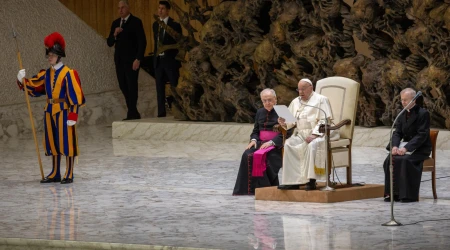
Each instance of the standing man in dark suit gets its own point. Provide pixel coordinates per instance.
(127, 33)
(166, 66)
(411, 145)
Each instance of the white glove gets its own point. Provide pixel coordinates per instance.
(71, 123)
(21, 75)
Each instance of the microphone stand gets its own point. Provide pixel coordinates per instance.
(327, 187)
(393, 222)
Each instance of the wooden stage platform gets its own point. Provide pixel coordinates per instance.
(342, 193)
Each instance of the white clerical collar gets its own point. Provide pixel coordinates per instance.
(409, 110)
(165, 20)
(58, 66)
(126, 18)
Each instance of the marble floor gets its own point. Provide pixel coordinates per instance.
(168, 195)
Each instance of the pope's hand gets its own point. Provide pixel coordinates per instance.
(310, 138)
(21, 75)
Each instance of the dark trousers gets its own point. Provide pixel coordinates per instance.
(165, 68)
(406, 176)
(246, 183)
(128, 83)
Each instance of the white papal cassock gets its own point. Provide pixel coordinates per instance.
(301, 160)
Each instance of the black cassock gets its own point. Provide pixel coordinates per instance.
(412, 127)
(245, 182)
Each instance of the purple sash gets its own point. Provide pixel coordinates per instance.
(260, 155)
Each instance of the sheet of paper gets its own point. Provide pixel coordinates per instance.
(284, 112)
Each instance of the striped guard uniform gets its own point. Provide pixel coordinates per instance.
(62, 87)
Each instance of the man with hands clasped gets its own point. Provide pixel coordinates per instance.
(411, 145)
(61, 86)
(127, 35)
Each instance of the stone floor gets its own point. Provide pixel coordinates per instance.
(164, 194)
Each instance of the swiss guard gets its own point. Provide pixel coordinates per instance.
(61, 86)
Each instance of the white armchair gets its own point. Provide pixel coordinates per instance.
(343, 94)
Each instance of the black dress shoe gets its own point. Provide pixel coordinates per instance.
(50, 180)
(407, 200)
(66, 181)
(288, 187)
(388, 198)
(311, 185)
(162, 115)
(133, 118)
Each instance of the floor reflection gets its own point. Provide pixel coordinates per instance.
(313, 233)
(264, 232)
(59, 217)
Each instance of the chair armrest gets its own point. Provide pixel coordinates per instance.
(337, 126)
(278, 128)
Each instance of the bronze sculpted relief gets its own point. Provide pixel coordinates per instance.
(248, 45)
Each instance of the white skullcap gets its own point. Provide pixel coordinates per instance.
(306, 80)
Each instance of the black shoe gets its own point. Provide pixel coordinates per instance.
(66, 181)
(133, 117)
(50, 180)
(311, 185)
(162, 115)
(407, 200)
(289, 187)
(387, 198)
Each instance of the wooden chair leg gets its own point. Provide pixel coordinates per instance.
(349, 175)
(329, 163)
(433, 183)
(349, 168)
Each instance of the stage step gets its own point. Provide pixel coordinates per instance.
(341, 193)
(168, 129)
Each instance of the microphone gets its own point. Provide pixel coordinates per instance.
(417, 96)
(324, 113)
